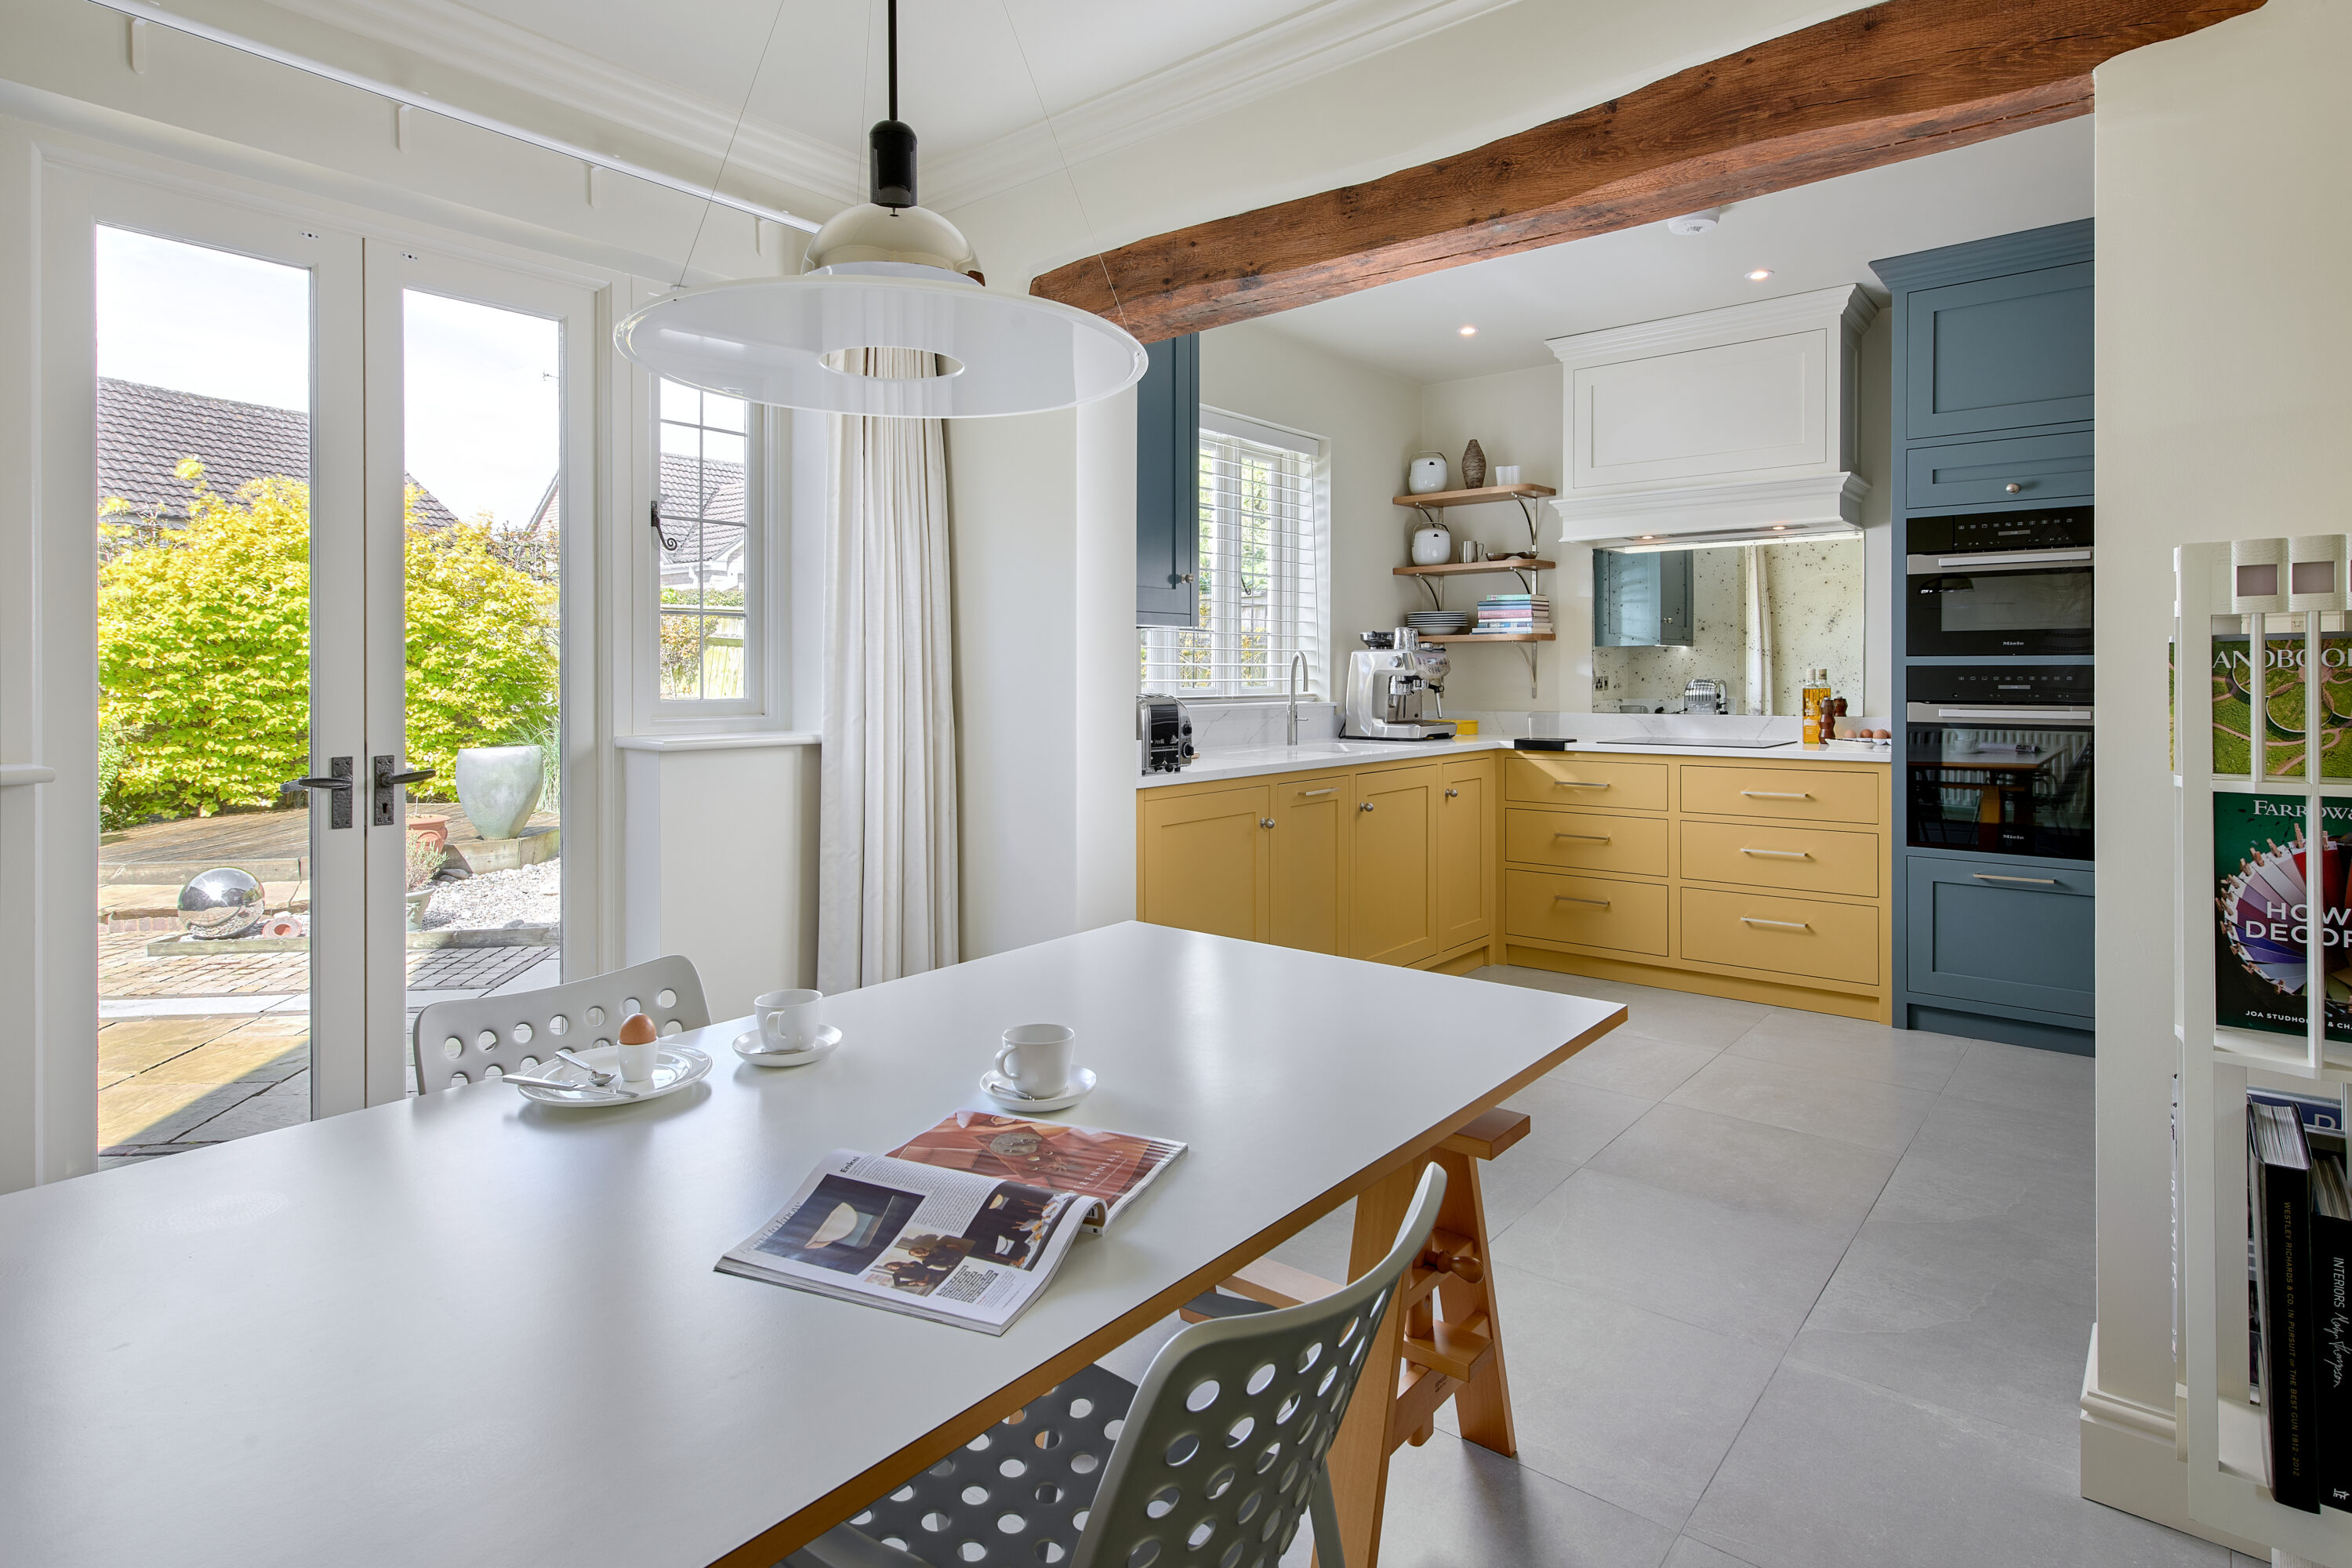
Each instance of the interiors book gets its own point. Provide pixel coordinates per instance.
(965, 1224)
(2265, 886)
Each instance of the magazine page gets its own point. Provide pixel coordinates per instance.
(946, 1244)
(1110, 1167)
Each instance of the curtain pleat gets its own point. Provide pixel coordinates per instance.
(1755, 611)
(886, 895)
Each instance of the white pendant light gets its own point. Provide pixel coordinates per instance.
(885, 274)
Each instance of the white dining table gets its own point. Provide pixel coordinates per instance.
(471, 1329)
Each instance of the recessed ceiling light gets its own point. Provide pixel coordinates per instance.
(1758, 274)
(1649, 536)
(1469, 331)
(1779, 526)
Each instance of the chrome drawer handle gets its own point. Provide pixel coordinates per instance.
(1266, 822)
(1318, 793)
(1776, 925)
(1780, 853)
(1576, 783)
(1995, 876)
(1586, 837)
(1776, 794)
(1451, 793)
(1565, 898)
(1363, 805)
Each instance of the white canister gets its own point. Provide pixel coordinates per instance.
(1432, 546)
(1426, 473)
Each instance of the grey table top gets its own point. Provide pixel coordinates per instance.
(466, 1329)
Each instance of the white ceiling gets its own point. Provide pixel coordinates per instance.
(1812, 237)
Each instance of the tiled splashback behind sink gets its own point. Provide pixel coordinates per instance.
(1226, 725)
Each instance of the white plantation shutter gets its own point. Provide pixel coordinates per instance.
(1262, 571)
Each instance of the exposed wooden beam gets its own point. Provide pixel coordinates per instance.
(1876, 86)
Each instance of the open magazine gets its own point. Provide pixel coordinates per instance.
(964, 1224)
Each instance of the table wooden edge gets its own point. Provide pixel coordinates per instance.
(772, 1545)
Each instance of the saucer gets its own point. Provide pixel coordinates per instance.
(827, 1038)
(676, 1067)
(1000, 1089)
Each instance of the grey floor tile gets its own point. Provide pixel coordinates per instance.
(1452, 1503)
(1677, 1015)
(1627, 1063)
(1629, 1405)
(1750, 1165)
(1516, 1183)
(1571, 1123)
(2020, 1076)
(1853, 1047)
(1876, 1115)
(1973, 1161)
(1829, 1473)
(1322, 1247)
(1690, 1554)
(1748, 1275)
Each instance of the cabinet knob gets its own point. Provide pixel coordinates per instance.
(1266, 822)
(1451, 793)
(1363, 805)
(2012, 487)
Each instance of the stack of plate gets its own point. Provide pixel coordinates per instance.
(1438, 623)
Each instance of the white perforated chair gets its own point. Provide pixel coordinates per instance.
(1211, 1462)
(488, 1036)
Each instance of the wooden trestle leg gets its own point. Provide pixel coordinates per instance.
(1440, 1340)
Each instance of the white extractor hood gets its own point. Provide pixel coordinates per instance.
(1727, 426)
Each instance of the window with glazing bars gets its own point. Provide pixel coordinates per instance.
(1262, 576)
(705, 552)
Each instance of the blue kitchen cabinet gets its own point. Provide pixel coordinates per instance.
(2007, 930)
(1167, 484)
(1998, 353)
(2015, 470)
(1642, 600)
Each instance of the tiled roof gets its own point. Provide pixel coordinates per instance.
(143, 432)
(712, 488)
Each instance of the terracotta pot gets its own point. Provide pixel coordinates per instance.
(435, 830)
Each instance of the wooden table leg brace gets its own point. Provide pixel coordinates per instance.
(1441, 1339)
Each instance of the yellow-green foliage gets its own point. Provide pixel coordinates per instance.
(203, 646)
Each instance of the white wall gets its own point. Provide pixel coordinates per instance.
(2222, 347)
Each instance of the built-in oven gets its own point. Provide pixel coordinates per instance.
(1999, 759)
(2000, 583)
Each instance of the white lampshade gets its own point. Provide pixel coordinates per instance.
(767, 340)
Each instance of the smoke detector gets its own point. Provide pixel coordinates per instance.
(1694, 222)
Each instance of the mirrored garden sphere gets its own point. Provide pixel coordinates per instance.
(220, 902)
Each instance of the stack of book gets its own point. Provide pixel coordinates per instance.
(2302, 1233)
(1520, 613)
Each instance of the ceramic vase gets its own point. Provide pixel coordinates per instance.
(1432, 546)
(1474, 467)
(1425, 474)
(498, 787)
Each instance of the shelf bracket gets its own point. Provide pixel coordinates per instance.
(1529, 650)
(1527, 514)
(1436, 601)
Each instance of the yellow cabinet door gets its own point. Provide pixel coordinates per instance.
(1204, 861)
(1465, 852)
(1392, 913)
(1310, 860)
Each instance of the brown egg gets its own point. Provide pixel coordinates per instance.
(637, 1030)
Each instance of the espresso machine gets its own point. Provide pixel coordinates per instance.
(1387, 680)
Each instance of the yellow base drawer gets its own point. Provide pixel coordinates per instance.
(1795, 937)
(1543, 906)
(1805, 794)
(1793, 859)
(1565, 779)
(1585, 841)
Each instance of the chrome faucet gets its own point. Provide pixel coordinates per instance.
(1298, 673)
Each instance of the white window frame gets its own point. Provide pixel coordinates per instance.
(1160, 644)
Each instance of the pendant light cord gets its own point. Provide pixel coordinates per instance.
(1043, 113)
(894, 58)
(737, 130)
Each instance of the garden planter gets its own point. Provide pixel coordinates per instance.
(434, 830)
(419, 900)
(498, 787)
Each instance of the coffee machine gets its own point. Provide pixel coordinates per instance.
(1387, 679)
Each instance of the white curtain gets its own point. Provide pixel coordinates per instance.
(887, 840)
(1755, 625)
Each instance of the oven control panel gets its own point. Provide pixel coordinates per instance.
(1988, 533)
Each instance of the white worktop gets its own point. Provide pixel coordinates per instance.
(1253, 761)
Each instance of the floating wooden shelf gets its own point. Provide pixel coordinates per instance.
(1473, 498)
(1452, 568)
(1487, 636)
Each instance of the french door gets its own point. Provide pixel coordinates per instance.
(302, 562)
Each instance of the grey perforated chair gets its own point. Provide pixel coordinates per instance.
(486, 1036)
(1211, 1462)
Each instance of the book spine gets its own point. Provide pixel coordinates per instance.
(2290, 1389)
(2331, 1250)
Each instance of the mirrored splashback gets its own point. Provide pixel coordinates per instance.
(1755, 617)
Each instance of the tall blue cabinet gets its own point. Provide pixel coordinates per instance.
(1992, 408)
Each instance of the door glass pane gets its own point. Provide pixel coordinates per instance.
(484, 547)
(203, 671)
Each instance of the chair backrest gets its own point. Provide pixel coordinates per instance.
(461, 1042)
(1221, 1452)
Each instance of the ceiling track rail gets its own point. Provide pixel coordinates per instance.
(144, 11)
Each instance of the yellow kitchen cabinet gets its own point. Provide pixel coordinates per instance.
(1204, 861)
(1585, 841)
(1310, 837)
(1393, 907)
(1465, 852)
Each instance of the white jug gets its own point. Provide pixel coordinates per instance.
(1427, 473)
(1432, 546)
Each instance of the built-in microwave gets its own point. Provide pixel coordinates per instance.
(2000, 584)
(1998, 760)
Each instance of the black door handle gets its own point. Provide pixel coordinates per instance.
(318, 784)
(337, 779)
(386, 781)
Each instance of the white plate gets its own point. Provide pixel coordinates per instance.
(1000, 1089)
(677, 1067)
(827, 1038)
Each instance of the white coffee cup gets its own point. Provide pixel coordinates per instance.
(788, 1019)
(1036, 1058)
(1505, 474)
